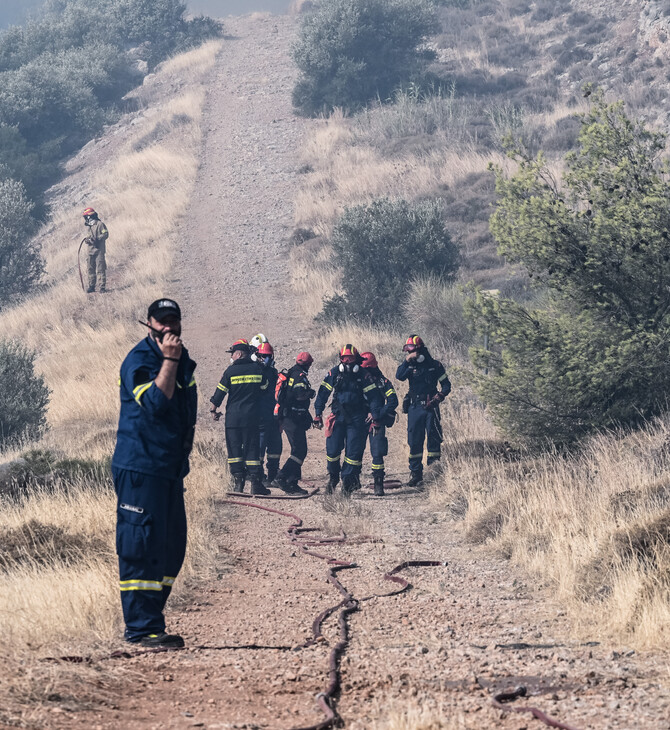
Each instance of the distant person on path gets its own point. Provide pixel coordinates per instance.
(422, 404)
(379, 445)
(244, 382)
(95, 254)
(355, 397)
(293, 395)
(270, 433)
(154, 440)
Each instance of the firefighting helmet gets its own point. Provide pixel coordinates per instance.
(414, 343)
(258, 340)
(305, 360)
(241, 344)
(369, 360)
(265, 352)
(349, 359)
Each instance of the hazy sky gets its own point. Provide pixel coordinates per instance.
(13, 11)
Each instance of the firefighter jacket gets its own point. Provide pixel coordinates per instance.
(244, 382)
(155, 433)
(268, 396)
(354, 395)
(97, 235)
(387, 415)
(295, 396)
(424, 377)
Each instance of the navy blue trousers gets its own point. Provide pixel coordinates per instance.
(151, 544)
(243, 446)
(350, 437)
(423, 423)
(296, 434)
(271, 446)
(379, 448)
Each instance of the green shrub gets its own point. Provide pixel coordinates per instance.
(352, 51)
(593, 354)
(381, 248)
(21, 266)
(24, 396)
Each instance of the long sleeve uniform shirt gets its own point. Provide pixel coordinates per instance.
(424, 377)
(244, 382)
(155, 433)
(354, 395)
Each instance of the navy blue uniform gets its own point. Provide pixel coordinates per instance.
(270, 441)
(355, 395)
(244, 383)
(154, 440)
(295, 419)
(424, 378)
(379, 445)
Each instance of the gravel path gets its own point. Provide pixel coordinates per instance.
(463, 632)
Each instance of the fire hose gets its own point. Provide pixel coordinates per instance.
(81, 276)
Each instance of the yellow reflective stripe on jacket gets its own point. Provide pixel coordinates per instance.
(235, 461)
(168, 580)
(241, 379)
(192, 383)
(222, 387)
(370, 387)
(119, 383)
(140, 585)
(253, 462)
(327, 385)
(442, 377)
(389, 392)
(140, 390)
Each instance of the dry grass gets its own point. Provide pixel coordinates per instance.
(59, 593)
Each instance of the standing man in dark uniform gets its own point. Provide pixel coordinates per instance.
(96, 246)
(270, 441)
(244, 382)
(293, 395)
(379, 444)
(355, 397)
(422, 404)
(154, 440)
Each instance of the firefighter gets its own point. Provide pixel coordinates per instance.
(422, 404)
(355, 397)
(293, 395)
(270, 441)
(244, 382)
(154, 440)
(379, 445)
(95, 255)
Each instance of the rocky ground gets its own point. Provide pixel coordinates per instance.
(461, 633)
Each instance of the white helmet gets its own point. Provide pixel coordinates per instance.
(258, 340)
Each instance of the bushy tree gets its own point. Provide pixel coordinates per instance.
(24, 396)
(595, 353)
(20, 263)
(381, 248)
(352, 51)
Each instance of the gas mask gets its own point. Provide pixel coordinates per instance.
(420, 358)
(348, 367)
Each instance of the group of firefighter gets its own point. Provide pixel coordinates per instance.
(263, 402)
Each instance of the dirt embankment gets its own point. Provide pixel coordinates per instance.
(435, 653)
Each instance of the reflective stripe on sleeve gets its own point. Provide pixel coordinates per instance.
(140, 585)
(140, 390)
(192, 383)
(327, 385)
(168, 580)
(389, 392)
(442, 377)
(235, 461)
(369, 388)
(222, 387)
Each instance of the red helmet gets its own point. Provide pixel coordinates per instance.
(265, 349)
(241, 344)
(414, 343)
(369, 360)
(89, 211)
(349, 354)
(305, 360)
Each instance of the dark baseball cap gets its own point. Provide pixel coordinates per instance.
(162, 308)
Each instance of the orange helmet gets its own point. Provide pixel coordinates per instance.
(305, 360)
(241, 344)
(265, 349)
(349, 354)
(369, 360)
(414, 343)
(89, 211)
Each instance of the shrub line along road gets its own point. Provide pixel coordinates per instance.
(462, 632)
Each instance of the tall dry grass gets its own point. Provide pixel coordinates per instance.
(48, 605)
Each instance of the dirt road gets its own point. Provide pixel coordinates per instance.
(462, 632)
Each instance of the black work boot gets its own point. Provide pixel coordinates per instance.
(238, 483)
(278, 482)
(257, 487)
(160, 640)
(333, 481)
(379, 484)
(415, 479)
(348, 486)
(294, 489)
(272, 475)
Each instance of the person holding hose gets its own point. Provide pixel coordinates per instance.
(151, 459)
(96, 265)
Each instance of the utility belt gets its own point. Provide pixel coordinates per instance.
(413, 399)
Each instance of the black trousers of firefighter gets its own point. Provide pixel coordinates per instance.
(296, 433)
(422, 423)
(243, 445)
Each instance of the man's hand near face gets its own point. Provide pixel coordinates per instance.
(170, 345)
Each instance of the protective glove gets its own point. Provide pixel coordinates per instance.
(317, 422)
(216, 414)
